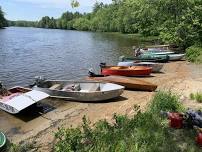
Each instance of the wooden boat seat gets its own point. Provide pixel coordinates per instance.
(55, 86)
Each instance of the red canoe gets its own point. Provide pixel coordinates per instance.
(126, 70)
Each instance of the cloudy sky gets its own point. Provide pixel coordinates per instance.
(35, 9)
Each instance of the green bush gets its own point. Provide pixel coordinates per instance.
(194, 54)
(197, 96)
(165, 101)
(192, 96)
(144, 132)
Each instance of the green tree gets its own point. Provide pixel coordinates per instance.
(177, 22)
(3, 21)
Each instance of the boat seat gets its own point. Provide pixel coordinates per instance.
(90, 88)
(94, 88)
(71, 87)
(55, 86)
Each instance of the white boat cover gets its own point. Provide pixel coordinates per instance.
(22, 101)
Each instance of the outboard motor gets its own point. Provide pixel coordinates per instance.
(39, 80)
(122, 58)
(91, 73)
(137, 52)
(134, 48)
(102, 64)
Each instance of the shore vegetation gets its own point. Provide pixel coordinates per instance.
(194, 54)
(146, 131)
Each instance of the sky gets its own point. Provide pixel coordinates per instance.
(33, 10)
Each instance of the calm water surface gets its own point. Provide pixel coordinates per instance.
(55, 54)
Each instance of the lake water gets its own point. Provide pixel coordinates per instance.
(56, 54)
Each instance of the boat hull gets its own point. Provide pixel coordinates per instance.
(172, 57)
(176, 57)
(156, 67)
(126, 71)
(157, 58)
(128, 83)
(108, 91)
(20, 99)
(158, 52)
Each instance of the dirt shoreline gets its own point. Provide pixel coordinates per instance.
(180, 77)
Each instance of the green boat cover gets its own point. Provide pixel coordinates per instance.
(2, 139)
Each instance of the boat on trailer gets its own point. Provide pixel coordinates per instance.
(89, 91)
(19, 98)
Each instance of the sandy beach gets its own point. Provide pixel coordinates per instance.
(180, 77)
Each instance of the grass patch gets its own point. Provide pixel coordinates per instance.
(22, 147)
(197, 96)
(144, 132)
(194, 54)
(192, 97)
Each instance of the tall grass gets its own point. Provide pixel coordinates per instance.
(197, 96)
(144, 132)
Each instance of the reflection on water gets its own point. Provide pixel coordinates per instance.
(55, 54)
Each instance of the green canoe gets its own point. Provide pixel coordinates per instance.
(2, 139)
(147, 58)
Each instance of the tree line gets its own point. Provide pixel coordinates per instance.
(64, 22)
(174, 21)
(3, 21)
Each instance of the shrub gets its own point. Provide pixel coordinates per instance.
(145, 132)
(194, 54)
(198, 97)
(165, 101)
(192, 97)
